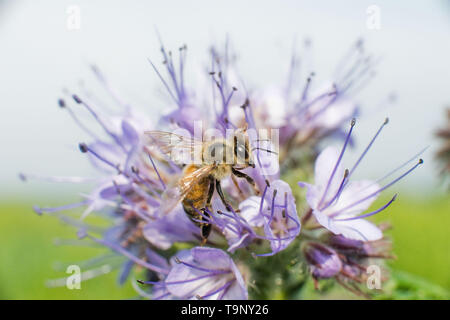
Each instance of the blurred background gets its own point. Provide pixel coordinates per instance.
(42, 53)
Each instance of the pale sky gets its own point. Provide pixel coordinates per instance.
(39, 57)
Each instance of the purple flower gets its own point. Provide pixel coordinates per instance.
(337, 202)
(205, 273)
(359, 249)
(136, 178)
(324, 262)
(276, 211)
(168, 229)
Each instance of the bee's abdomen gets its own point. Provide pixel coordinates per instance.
(196, 200)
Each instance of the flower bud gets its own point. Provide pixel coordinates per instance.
(324, 261)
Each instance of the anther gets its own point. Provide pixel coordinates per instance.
(140, 281)
(61, 103)
(246, 104)
(353, 122)
(134, 170)
(83, 147)
(77, 99)
(420, 161)
(177, 260)
(386, 121)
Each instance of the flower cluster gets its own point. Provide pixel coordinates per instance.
(266, 225)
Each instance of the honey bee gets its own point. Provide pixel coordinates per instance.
(218, 159)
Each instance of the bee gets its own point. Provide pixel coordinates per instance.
(217, 159)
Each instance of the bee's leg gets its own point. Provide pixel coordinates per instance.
(222, 197)
(236, 184)
(210, 193)
(246, 177)
(206, 227)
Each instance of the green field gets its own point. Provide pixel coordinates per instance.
(28, 254)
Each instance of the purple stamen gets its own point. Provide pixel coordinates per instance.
(248, 114)
(307, 85)
(379, 190)
(102, 124)
(39, 210)
(183, 51)
(356, 49)
(171, 71)
(24, 177)
(402, 165)
(335, 95)
(63, 105)
(386, 121)
(158, 283)
(339, 191)
(161, 296)
(211, 271)
(369, 65)
(141, 213)
(129, 255)
(156, 170)
(224, 287)
(317, 99)
(165, 84)
(370, 213)
(84, 148)
(101, 78)
(272, 209)
(338, 162)
(262, 199)
(144, 182)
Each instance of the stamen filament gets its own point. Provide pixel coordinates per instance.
(338, 162)
(370, 213)
(379, 190)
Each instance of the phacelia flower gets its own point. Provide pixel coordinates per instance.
(203, 273)
(261, 221)
(337, 202)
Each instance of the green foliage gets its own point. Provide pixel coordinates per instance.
(406, 286)
(28, 256)
(421, 238)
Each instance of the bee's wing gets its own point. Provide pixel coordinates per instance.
(177, 147)
(175, 194)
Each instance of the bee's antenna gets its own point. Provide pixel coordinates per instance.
(262, 149)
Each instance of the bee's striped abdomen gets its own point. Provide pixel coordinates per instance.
(196, 198)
